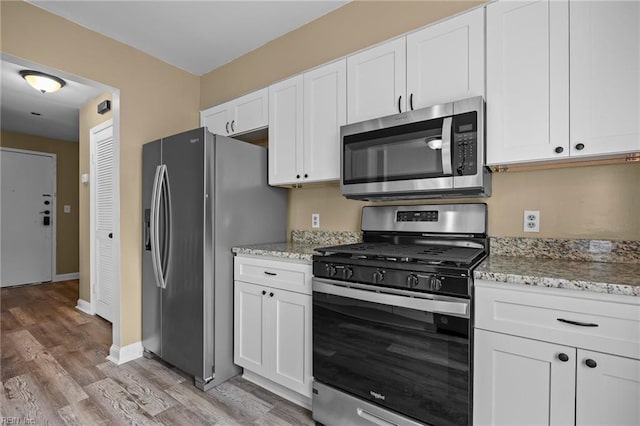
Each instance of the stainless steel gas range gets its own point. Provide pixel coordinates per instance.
(392, 318)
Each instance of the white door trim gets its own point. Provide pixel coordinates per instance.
(54, 197)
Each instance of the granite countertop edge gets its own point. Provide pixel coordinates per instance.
(283, 250)
(595, 277)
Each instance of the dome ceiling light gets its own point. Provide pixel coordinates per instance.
(42, 82)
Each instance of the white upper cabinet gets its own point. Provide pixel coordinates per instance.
(285, 131)
(445, 62)
(527, 81)
(604, 77)
(563, 79)
(241, 115)
(306, 113)
(325, 110)
(376, 81)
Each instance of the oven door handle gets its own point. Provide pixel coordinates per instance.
(423, 302)
(447, 167)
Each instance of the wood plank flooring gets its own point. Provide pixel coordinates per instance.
(53, 371)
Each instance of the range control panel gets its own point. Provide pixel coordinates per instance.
(417, 216)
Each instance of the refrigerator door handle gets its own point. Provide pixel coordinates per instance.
(155, 226)
(166, 208)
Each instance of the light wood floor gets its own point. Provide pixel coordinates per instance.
(53, 371)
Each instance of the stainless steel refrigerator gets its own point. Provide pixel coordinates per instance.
(202, 194)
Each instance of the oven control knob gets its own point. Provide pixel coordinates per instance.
(412, 280)
(331, 270)
(435, 284)
(378, 276)
(348, 272)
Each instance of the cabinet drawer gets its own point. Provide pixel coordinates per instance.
(273, 273)
(600, 322)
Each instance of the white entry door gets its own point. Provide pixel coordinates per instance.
(102, 198)
(28, 216)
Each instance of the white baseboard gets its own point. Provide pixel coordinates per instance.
(119, 355)
(66, 277)
(85, 307)
(278, 389)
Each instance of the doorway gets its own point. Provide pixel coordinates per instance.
(28, 204)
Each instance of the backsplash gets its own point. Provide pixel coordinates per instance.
(551, 248)
(326, 238)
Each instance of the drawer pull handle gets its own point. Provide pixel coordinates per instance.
(273, 274)
(581, 324)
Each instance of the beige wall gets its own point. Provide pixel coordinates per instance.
(66, 192)
(352, 27)
(580, 202)
(156, 99)
(89, 118)
(600, 202)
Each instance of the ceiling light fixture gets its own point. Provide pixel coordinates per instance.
(42, 82)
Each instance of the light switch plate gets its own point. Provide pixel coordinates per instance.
(67, 208)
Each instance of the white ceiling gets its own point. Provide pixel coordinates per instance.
(58, 111)
(196, 36)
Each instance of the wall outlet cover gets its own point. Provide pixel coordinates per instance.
(315, 220)
(531, 221)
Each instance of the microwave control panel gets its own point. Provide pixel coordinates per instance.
(465, 144)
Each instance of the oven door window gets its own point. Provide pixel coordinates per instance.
(407, 152)
(412, 362)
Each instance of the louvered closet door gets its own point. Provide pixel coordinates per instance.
(103, 222)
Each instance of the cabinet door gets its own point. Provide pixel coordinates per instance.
(527, 81)
(376, 81)
(445, 62)
(290, 325)
(249, 327)
(605, 77)
(250, 112)
(607, 390)
(325, 110)
(285, 132)
(520, 381)
(217, 119)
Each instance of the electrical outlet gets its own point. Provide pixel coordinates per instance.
(531, 221)
(67, 208)
(315, 220)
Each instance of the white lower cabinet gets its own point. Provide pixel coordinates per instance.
(519, 379)
(272, 325)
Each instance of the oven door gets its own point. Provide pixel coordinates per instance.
(403, 153)
(407, 354)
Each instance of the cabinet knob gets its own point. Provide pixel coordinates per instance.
(559, 150)
(306, 175)
(264, 292)
(563, 357)
(270, 294)
(297, 176)
(580, 146)
(591, 363)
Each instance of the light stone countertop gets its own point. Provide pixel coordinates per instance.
(286, 250)
(597, 277)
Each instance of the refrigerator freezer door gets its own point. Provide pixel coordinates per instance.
(183, 296)
(151, 294)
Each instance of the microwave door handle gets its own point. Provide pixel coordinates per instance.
(446, 146)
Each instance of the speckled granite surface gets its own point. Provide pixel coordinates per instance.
(302, 245)
(597, 277)
(583, 250)
(598, 266)
(325, 238)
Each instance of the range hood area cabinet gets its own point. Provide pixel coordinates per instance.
(563, 80)
(441, 63)
(241, 115)
(305, 115)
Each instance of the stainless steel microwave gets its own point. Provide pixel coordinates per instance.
(434, 152)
